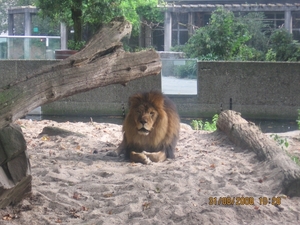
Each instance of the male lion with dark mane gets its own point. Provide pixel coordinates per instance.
(151, 128)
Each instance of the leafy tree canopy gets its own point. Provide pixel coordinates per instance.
(76, 13)
(243, 37)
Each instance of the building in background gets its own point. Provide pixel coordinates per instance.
(182, 17)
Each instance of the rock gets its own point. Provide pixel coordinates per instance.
(53, 131)
(15, 173)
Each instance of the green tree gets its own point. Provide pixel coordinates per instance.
(283, 46)
(221, 38)
(77, 13)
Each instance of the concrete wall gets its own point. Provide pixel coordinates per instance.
(257, 89)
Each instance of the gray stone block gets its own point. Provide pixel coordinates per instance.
(5, 182)
(2, 155)
(12, 141)
(19, 167)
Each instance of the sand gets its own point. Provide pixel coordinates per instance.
(75, 182)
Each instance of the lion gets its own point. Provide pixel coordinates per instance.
(151, 128)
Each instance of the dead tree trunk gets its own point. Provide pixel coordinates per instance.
(245, 134)
(102, 62)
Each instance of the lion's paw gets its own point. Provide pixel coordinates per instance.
(147, 161)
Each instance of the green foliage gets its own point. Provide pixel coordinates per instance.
(200, 125)
(280, 141)
(255, 25)
(93, 13)
(243, 38)
(282, 43)
(75, 45)
(222, 37)
(246, 53)
(283, 143)
(271, 55)
(178, 48)
(189, 70)
(208, 57)
(298, 121)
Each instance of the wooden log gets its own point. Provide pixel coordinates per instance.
(102, 62)
(247, 135)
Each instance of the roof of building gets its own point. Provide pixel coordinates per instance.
(193, 7)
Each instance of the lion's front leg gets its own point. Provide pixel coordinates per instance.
(139, 157)
(156, 156)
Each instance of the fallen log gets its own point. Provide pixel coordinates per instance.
(247, 135)
(102, 62)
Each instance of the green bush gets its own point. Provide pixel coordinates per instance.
(271, 55)
(222, 37)
(200, 125)
(282, 43)
(242, 38)
(298, 121)
(189, 70)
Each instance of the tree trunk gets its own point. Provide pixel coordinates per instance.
(102, 62)
(246, 135)
(76, 14)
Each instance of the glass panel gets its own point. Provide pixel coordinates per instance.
(279, 15)
(33, 47)
(179, 76)
(158, 40)
(183, 21)
(183, 37)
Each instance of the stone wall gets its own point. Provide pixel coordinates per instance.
(257, 89)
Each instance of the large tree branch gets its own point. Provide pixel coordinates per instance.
(102, 62)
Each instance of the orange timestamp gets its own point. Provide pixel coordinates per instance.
(243, 201)
(231, 201)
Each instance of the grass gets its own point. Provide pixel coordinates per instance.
(208, 126)
(283, 143)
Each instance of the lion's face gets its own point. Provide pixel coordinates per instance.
(145, 117)
(151, 124)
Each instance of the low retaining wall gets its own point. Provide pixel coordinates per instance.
(257, 89)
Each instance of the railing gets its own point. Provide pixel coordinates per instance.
(28, 47)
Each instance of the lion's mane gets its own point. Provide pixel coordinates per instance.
(158, 114)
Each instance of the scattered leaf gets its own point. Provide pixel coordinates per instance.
(108, 195)
(146, 205)
(84, 208)
(212, 166)
(45, 138)
(157, 190)
(74, 214)
(8, 217)
(77, 195)
(58, 220)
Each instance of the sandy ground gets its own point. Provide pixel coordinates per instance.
(75, 182)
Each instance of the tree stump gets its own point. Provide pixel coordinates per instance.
(15, 175)
(247, 135)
